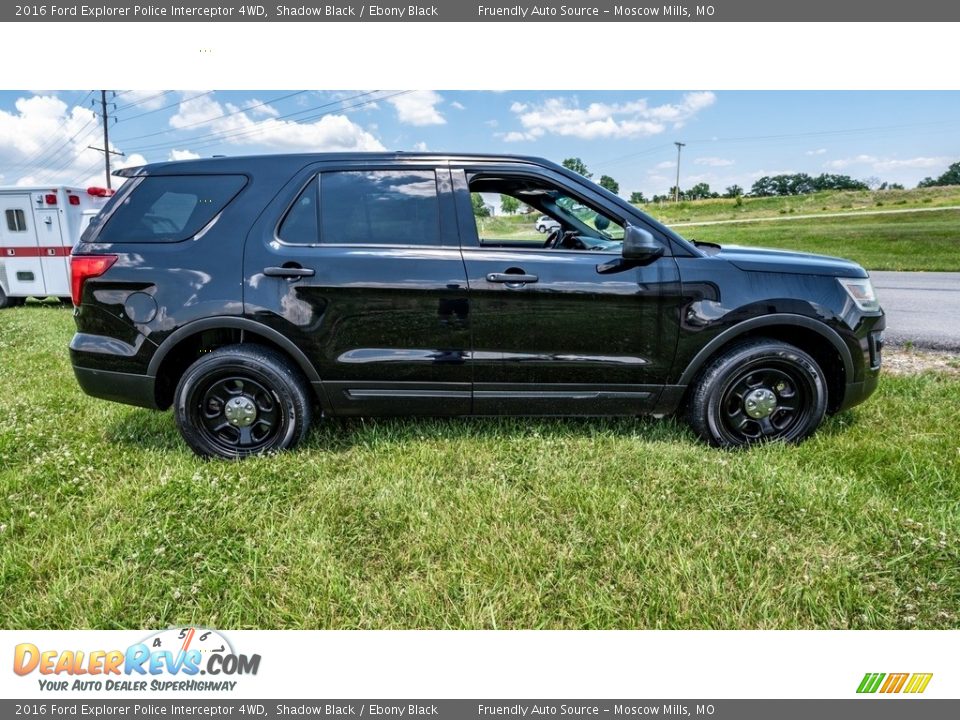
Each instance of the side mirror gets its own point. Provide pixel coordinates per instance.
(640, 246)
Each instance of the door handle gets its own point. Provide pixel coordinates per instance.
(289, 272)
(511, 278)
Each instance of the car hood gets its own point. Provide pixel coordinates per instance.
(785, 261)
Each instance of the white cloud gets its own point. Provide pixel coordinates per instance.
(841, 163)
(143, 99)
(818, 151)
(491, 123)
(257, 107)
(420, 146)
(183, 155)
(917, 162)
(328, 133)
(666, 164)
(517, 136)
(418, 108)
(457, 106)
(43, 141)
(886, 163)
(713, 161)
(635, 119)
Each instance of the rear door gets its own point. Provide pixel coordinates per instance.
(360, 265)
(54, 246)
(551, 333)
(21, 271)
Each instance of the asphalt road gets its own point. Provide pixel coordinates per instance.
(921, 307)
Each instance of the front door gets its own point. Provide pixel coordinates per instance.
(554, 330)
(364, 272)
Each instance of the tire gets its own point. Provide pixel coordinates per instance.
(242, 400)
(65, 300)
(8, 302)
(541, 228)
(758, 391)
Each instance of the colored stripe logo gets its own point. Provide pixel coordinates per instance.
(913, 683)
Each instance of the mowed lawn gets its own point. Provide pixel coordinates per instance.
(108, 521)
(908, 241)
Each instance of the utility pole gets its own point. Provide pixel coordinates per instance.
(676, 189)
(107, 152)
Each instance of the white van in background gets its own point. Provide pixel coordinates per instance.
(38, 228)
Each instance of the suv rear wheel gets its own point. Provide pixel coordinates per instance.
(242, 400)
(758, 391)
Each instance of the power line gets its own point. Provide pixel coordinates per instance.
(42, 152)
(167, 107)
(214, 119)
(141, 101)
(215, 138)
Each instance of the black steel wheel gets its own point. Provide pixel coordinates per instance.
(242, 400)
(758, 391)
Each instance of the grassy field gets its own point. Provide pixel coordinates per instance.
(928, 240)
(108, 521)
(823, 202)
(910, 241)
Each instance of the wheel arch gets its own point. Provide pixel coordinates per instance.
(187, 343)
(814, 337)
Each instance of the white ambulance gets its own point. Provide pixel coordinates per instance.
(38, 228)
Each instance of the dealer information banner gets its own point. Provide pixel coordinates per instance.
(484, 11)
(486, 709)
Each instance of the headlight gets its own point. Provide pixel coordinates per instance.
(861, 292)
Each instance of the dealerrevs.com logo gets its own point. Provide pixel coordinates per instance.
(179, 659)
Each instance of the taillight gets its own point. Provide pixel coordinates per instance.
(84, 267)
(74, 200)
(50, 199)
(100, 192)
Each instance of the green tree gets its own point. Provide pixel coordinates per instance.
(480, 208)
(610, 184)
(578, 166)
(699, 191)
(509, 204)
(636, 197)
(950, 177)
(734, 191)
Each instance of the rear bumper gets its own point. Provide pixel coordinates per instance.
(120, 387)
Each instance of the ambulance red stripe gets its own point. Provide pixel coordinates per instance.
(22, 252)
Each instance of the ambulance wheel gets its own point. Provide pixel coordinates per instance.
(8, 302)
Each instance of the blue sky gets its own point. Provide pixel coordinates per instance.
(731, 137)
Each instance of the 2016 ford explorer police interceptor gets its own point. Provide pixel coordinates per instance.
(38, 228)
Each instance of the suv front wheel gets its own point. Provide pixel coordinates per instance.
(758, 391)
(242, 400)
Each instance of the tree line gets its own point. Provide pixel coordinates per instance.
(781, 185)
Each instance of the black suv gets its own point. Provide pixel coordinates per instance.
(254, 293)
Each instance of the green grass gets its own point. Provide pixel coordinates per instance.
(822, 202)
(915, 241)
(108, 521)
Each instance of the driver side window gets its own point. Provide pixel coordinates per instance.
(530, 213)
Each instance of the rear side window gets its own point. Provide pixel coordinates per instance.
(301, 225)
(170, 208)
(381, 207)
(16, 221)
